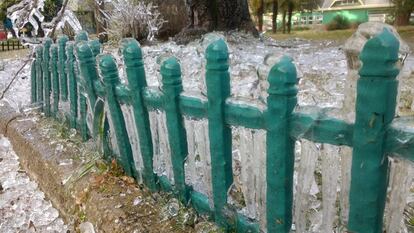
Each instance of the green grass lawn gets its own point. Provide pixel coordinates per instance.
(406, 32)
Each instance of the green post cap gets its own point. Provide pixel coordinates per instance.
(95, 46)
(84, 52)
(48, 42)
(108, 69)
(217, 55)
(282, 78)
(62, 39)
(39, 51)
(379, 56)
(54, 51)
(69, 48)
(131, 50)
(81, 36)
(171, 72)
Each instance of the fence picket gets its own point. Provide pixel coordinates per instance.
(375, 109)
(54, 78)
(280, 146)
(218, 90)
(63, 80)
(172, 88)
(46, 76)
(73, 86)
(137, 82)
(39, 74)
(33, 84)
(109, 73)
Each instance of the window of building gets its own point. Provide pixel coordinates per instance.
(339, 3)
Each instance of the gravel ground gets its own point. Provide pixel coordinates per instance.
(23, 207)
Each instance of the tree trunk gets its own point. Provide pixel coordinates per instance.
(290, 12)
(220, 15)
(402, 19)
(274, 16)
(260, 12)
(284, 21)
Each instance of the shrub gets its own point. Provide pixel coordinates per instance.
(339, 22)
(129, 18)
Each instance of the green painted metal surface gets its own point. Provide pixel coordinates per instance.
(82, 123)
(109, 73)
(55, 79)
(137, 83)
(172, 88)
(46, 76)
(375, 109)
(280, 146)
(72, 85)
(218, 90)
(63, 80)
(81, 36)
(33, 87)
(87, 69)
(39, 73)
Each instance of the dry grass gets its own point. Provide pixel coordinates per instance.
(406, 32)
(15, 54)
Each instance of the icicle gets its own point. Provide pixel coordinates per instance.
(305, 180)
(401, 177)
(198, 165)
(128, 113)
(112, 139)
(253, 177)
(345, 154)
(330, 175)
(162, 153)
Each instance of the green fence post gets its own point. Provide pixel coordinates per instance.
(95, 46)
(172, 88)
(33, 77)
(137, 83)
(82, 124)
(83, 106)
(63, 80)
(55, 78)
(81, 36)
(218, 90)
(108, 70)
(39, 74)
(73, 86)
(280, 145)
(46, 76)
(87, 70)
(375, 109)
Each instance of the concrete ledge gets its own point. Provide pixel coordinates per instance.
(102, 195)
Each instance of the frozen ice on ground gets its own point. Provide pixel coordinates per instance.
(18, 95)
(23, 207)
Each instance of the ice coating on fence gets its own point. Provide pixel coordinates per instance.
(319, 167)
(198, 163)
(162, 151)
(133, 139)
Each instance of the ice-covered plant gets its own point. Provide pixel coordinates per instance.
(129, 18)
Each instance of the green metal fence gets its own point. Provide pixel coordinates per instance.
(77, 73)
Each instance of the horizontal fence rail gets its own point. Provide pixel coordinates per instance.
(77, 75)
